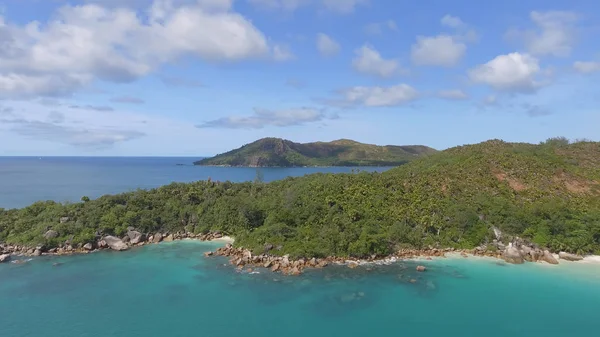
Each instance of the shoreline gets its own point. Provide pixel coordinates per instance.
(240, 257)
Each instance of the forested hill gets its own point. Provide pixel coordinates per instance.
(275, 152)
(547, 193)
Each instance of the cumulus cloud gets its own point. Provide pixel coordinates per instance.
(442, 50)
(374, 96)
(453, 94)
(513, 72)
(586, 67)
(367, 60)
(335, 6)
(377, 28)
(83, 43)
(452, 21)
(127, 99)
(555, 33)
(264, 117)
(326, 45)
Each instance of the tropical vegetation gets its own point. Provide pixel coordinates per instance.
(547, 193)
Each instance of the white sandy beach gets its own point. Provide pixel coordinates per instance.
(226, 239)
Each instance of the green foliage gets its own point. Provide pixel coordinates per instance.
(275, 152)
(547, 193)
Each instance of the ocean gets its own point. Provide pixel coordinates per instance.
(25, 180)
(171, 289)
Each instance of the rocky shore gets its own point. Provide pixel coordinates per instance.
(517, 251)
(132, 238)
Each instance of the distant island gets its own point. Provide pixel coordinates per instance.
(276, 152)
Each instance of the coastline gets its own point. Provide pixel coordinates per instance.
(242, 258)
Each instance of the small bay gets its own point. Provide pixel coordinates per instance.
(171, 289)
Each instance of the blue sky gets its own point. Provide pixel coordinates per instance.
(199, 77)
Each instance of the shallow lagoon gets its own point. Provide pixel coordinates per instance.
(171, 289)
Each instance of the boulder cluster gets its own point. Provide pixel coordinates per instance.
(132, 238)
(518, 251)
(243, 258)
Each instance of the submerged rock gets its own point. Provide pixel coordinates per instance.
(421, 268)
(115, 243)
(569, 256)
(512, 255)
(4, 258)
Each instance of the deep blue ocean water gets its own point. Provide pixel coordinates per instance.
(24, 180)
(172, 290)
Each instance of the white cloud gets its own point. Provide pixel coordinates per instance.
(326, 45)
(375, 96)
(343, 6)
(377, 28)
(513, 72)
(264, 117)
(441, 50)
(555, 33)
(83, 43)
(586, 67)
(452, 21)
(336, 6)
(453, 94)
(286, 5)
(368, 61)
(87, 127)
(282, 53)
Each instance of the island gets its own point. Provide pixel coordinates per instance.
(516, 201)
(276, 152)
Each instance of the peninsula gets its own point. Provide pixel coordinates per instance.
(522, 201)
(276, 152)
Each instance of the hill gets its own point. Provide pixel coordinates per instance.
(547, 193)
(275, 152)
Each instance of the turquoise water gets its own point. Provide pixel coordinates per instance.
(25, 180)
(172, 290)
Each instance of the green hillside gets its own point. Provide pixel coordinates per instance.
(275, 152)
(547, 193)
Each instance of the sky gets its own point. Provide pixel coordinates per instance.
(201, 77)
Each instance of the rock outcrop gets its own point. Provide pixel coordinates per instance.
(569, 256)
(88, 246)
(4, 258)
(549, 258)
(135, 237)
(50, 234)
(512, 255)
(115, 243)
(169, 238)
(157, 238)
